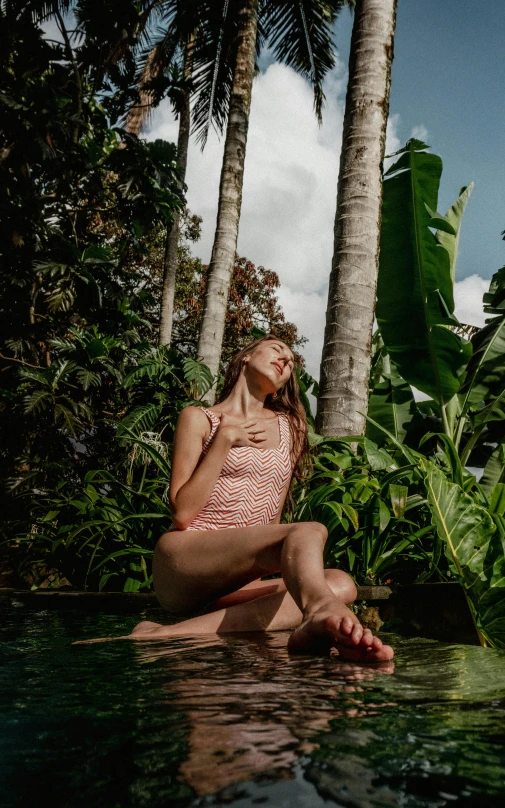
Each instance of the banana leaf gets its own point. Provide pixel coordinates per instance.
(494, 300)
(482, 397)
(391, 400)
(486, 369)
(475, 551)
(454, 216)
(494, 470)
(415, 301)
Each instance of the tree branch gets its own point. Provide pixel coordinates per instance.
(20, 362)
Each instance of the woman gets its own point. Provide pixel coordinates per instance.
(231, 471)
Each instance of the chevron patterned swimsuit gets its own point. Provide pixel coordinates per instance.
(250, 486)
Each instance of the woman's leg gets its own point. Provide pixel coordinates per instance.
(275, 612)
(191, 567)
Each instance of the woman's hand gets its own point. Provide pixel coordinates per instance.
(241, 433)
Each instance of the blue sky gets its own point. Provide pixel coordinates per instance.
(449, 75)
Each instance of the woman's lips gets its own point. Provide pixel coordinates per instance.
(279, 367)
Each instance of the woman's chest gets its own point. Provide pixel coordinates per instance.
(257, 466)
(270, 435)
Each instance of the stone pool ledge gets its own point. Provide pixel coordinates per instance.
(436, 611)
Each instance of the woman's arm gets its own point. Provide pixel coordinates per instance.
(191, 484)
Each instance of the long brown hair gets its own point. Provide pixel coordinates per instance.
(287, 400)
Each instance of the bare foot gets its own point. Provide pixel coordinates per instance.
(333, 625)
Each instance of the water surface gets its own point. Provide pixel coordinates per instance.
(235, 720)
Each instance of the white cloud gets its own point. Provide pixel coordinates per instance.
(420, 133)
(468, 300)
(289, 195)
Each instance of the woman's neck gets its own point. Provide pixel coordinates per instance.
(244, 400)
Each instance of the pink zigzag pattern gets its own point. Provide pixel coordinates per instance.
(249, 489)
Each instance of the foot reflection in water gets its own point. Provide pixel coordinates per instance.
(250, 707)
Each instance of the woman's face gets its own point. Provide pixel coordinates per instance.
(274, 360)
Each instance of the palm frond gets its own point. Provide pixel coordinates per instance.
(141, 419)
(199, 376)
(43, 9)
(301, 35)
(213, 62)
(159, 68)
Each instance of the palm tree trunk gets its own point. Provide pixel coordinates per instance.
(345, 364)
(172, 238)
(138, 114)
(230, 191)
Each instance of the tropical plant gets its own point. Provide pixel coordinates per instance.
(421, 343)
(473, 535)
(415, 315)
(77, 200)
(101, 533)
(345, 361)
(93, 526)
(160, 383)
(375, 509)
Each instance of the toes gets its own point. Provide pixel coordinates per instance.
(357, 633)
(367, 638)
(346, 625)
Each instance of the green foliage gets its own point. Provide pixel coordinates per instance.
(465, 420)
(375, 511)
(100, 532)
(480, 422)
(415, 315)
(159, 385)
(391, 400)
(78, 201)
(474, 545)
(415, 301)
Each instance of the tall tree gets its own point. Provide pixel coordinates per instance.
(345, 364)
(230, 190)
(154, 67)
(300, 33)
(172, 240)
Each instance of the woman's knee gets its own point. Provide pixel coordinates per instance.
(315, 529)
(342, 585)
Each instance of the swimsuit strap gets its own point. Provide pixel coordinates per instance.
(285, 432)
(214, 423)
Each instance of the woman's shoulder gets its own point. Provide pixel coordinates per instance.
(191, 411)
(194, 416)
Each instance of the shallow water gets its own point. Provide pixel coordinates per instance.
(235, 720)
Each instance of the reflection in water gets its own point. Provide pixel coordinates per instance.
(262, 717)
(235, 719)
